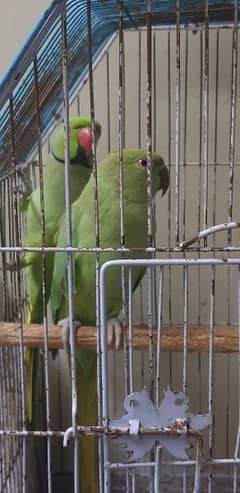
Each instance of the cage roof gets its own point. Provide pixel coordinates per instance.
(43, 49)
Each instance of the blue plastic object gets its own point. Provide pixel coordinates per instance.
(44, 45)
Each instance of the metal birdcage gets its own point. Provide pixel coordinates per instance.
(163, 76)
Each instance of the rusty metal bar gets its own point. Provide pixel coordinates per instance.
(177, 463)
(17, 249)
(114, 432)
(109, 431)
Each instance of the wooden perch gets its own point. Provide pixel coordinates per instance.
(226, 338)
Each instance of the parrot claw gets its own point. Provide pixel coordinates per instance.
(65, 324)
(114, 332)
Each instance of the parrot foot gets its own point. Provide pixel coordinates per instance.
(114, 332)
(65, 324)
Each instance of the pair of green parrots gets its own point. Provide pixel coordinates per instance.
(84, 264)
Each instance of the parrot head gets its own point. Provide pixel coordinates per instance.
(80, 141)
(135, 172)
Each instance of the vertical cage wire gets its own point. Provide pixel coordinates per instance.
(216, 114)
(139, 141)
(211, 374)
(150, 271)
(109, 134)
(185, 135)
(205, 118)
(108, 104)
(159, 327)
(185, 329)
(102, 445)
(231, 167)
(199, 193)
(12, 241)
(169, 225)
(236, 451)
(157, 470)
(121, 137)
(44, 280)
(149, 188)
(121, 140)
(185, 349)
(3, 226)
(233, 113)
(130, 360)
(69, 242)
(185, 273)
(178, 87)
(19, 288)
(130, 333)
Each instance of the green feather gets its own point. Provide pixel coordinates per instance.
(84, 299)
(54, 207)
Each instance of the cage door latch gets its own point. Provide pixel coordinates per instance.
(143, 425)
(171, 425)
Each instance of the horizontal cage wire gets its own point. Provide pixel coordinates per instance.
(161, 77)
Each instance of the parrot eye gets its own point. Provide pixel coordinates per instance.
(142, 164)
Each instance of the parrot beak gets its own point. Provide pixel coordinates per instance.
(85, 140)
(164, 179)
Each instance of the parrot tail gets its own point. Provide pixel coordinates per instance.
(87, 415)
(34, 381)
(31, 359)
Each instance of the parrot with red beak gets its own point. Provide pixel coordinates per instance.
(84, 272)
(80, 154)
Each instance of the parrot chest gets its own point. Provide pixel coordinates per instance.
(135, 226)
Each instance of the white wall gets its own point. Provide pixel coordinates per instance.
(17, 21)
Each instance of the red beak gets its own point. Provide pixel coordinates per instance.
(85, 140)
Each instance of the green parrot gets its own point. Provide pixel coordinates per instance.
(80, 144)
(84, 265)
